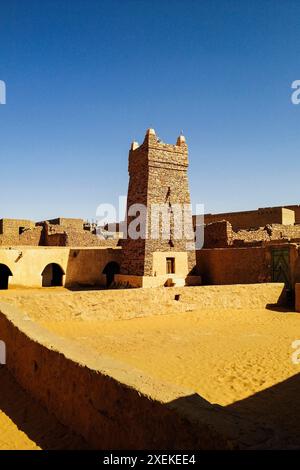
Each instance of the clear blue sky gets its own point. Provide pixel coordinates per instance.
(85, 77)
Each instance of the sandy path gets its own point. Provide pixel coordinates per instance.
(223, 355)
(239, 359)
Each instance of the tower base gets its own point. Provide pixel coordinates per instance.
(166, 280)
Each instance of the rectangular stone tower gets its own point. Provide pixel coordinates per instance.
(159, 248)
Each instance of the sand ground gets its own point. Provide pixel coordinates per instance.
(237, 358)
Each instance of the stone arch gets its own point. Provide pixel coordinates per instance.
(5, 272)
(110, 270)
(52, 275)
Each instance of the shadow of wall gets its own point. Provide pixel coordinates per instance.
(85, 266)
(276, 408)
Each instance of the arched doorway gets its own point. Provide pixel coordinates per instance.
(5, 272)
(110, 270)
(52, 275)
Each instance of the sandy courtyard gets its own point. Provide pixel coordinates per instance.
(238, 358)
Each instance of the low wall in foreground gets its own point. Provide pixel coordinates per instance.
(112, 405)
(132, 303)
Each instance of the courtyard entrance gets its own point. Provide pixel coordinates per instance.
(281, 266)
(5, 272)
(110, 270)
(52, 275)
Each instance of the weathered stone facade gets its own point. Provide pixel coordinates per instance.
(221, 234)
(72, 235)
(296, 209)
(257, 218)
(247, 264)
(19, 232)
(157, 176)
(56, 232)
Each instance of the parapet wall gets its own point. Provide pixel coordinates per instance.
(112, 405)
(221, 234)
(68, 222)
(61, 235)
(254, 219)
(296, 209)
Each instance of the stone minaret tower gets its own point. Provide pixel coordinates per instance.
(158, 179)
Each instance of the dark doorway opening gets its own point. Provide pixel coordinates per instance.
(5, 272)
(170, 266)
(110, 270)
(281, 266)
(52, 275)
(281, 272)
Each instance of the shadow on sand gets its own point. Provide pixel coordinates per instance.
(85, 287)
(31, 418)
(276, 409)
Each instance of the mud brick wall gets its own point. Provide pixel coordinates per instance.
(12, 226)
(157, 175)
(296, 209)
(251, 237)
(55, 239)
(47, 234)
(218, 234)
(54, 235)
(221, 234)
(244, 265)
(85, 238)
(234, 265)
(31, 236)
(254, 219)
(68, 222)
(61, 235)
(291, 232)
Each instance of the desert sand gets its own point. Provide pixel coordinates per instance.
(237, 358)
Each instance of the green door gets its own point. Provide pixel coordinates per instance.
(281, 266)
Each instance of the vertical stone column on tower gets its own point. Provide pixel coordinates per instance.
(164, 253)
